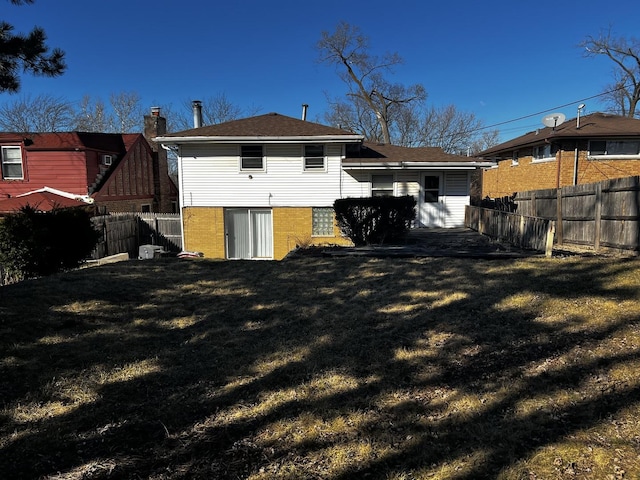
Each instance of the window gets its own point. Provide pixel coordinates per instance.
(381, 185)
(146, 208)
(107, 160)
(322, 219)
(12, 163)
(544, 152)
(431, 188)
(314, 157)
(614, 148)
(251, 157)
(514, 159)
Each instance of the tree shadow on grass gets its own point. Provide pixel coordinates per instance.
(313, 368)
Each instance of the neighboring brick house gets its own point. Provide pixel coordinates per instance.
(257, 187)
(582, 150)
(118, 172)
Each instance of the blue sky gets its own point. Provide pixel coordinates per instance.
(499, 59)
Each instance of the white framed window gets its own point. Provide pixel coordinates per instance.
(12, 163)
(251, 157)
(314, 159)
(322, 222)
(614, 149)
(107, 160)
(544, 153)
(381, 185)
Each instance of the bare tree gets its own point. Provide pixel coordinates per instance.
(26, 53)
(623, 94)
(43, 113)
(215, 109)
(127, 111)
(92, 116)
(355, 116)
(449, 129)
(364, 73)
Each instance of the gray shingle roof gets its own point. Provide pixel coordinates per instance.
(268, 125)
(591, 126)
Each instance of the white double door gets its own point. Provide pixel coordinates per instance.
(248, 233)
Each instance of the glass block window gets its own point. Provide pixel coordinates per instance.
(322, 222)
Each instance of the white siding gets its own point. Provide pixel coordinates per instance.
(211, 176)
(456, 197)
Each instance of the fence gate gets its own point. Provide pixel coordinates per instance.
(125, 232)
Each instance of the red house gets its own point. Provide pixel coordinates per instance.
(120, 172)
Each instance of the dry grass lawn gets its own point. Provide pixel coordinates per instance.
(318, 368)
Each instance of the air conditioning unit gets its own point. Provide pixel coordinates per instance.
(147, 252)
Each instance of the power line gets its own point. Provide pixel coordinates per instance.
(549, 110)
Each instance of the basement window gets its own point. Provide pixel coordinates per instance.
(12, 163)
(322, 220)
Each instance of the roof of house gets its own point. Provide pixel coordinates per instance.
(107, 142)
(595, 125)
(268, 125)
(43, 200)
(376, 154)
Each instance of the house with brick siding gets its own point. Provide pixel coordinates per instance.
(582, 150)
(256, 188)
(116, 172)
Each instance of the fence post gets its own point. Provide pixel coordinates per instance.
(559, 236)
(551, 228)
(597, 218)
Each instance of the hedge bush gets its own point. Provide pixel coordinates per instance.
(34, 243)
(375, 220)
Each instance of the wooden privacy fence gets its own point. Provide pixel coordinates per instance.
(605, 214)
(125, 232)
(518, 230)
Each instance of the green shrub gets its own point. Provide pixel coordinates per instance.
(375, 220)
(36, 243)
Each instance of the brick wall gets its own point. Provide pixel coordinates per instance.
(507, 179)
(204, 231)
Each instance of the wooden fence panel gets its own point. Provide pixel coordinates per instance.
(522, 231)
(125, 232)
(161, 229)
(603, 214)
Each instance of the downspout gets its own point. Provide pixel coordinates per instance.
(575, 166)
(180, 189)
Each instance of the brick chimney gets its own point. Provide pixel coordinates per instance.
(156, 125)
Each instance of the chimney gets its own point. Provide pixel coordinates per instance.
(197, 113)
(155, 125)
(304, 111)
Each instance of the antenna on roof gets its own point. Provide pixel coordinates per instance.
(553, 120)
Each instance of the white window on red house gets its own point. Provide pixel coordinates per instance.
(12, 163)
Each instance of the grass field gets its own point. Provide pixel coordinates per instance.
(318, 368)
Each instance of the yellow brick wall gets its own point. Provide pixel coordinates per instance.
(204, 231)
(507, 179)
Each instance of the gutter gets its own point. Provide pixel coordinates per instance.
(259, 139)
(416, 165)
